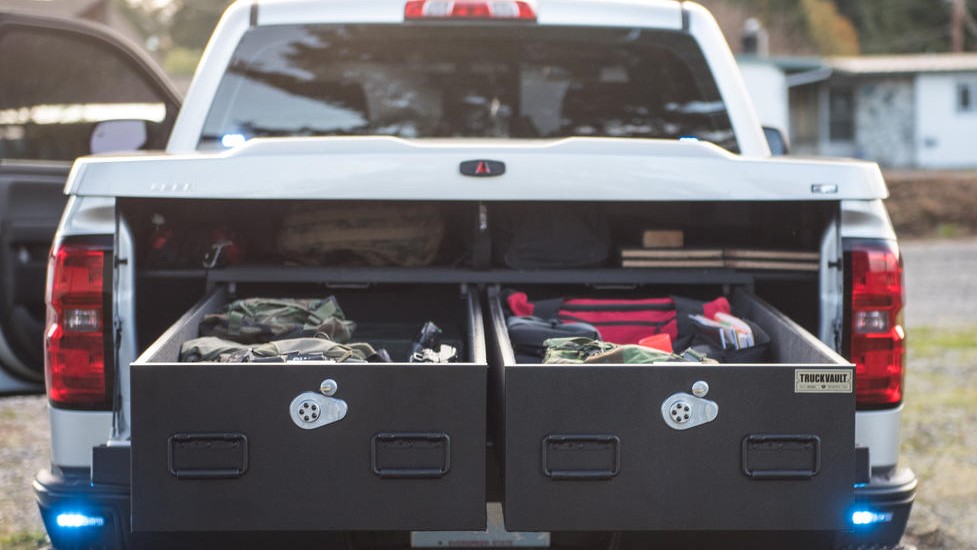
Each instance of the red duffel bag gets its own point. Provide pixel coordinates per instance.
(621, 321)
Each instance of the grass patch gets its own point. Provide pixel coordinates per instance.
(182, 61)
(928, 342)
(948, 231)
(940, 361)
(936, 388)
(23, 541)
(941, 403)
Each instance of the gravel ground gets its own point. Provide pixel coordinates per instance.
(941, 278)
(939, 440)
(24, 449)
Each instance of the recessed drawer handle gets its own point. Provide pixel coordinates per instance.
(411, 455)
(781, 457)
(208, 456)
(581, 457)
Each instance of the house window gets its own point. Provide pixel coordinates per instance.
(967, 97)
(841, 114)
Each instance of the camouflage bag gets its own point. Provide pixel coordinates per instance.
(573, 350)
(312, 349)
(209, 349)
(258, 320)
(404, 234)
(213, 349)
(581, 350)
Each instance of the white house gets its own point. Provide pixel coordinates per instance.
(903, 111)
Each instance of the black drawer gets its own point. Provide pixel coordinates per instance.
(591, 447)
(215, 446)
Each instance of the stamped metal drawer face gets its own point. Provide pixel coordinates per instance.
(679, 446)
(314, 445)
(760, 457)
(232, 449)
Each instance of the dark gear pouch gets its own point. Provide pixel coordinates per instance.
(757, 353)
(528, 236)
(529, 334)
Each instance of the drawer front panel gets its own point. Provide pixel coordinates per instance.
(630, 448)
(258, 447)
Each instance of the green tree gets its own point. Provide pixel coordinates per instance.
(148, 18)
(177, 30)
(177, 23)
(882, 26)
(905, 26)
(818, 22)
(832, 32)
(193, 21)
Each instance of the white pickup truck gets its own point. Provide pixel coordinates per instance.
(634, 109)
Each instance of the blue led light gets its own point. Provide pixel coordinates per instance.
(233, 140)
(75, 521)
(868, 517)
(691, 139)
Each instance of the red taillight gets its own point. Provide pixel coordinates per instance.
(75, 337)
(470, 9)
(876, 341)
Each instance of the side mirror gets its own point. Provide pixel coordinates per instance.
(777, 141)
(115, 136)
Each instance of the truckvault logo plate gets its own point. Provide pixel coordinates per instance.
(822, 381)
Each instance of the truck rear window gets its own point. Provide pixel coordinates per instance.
(464, 81)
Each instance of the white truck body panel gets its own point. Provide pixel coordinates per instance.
(746, 124)
(74, 433)
(866, 220)
(210, 70)
(879, 431)
(574, 169)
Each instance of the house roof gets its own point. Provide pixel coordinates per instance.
(53, 8)
(798, 70)
(904, 64)
(801, 71)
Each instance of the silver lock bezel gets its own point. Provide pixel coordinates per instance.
(330, 410)
(700, 411)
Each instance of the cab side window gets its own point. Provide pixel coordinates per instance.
(55, 86)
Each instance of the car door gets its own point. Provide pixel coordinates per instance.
(58, 80)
